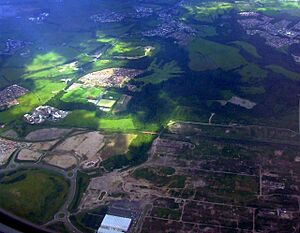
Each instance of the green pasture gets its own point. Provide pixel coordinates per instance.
(88, 119)
(162, 72)
(28, 193)
(208, 55)
(81, 94)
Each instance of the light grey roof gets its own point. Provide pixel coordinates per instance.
(116, 222)
(102, 230)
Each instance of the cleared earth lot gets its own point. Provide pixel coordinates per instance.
(28, 155)
(47, 134)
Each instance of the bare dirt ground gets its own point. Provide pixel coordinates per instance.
(47, 134)
(116, 144)
(10, 134)
(64, 161)
(43, 146)
(28, 155)
(84, 145)
(7, 147)
(122, 103)
(5, 156)
(110, 183)
(112, 77)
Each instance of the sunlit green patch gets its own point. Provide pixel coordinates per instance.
(84, 58)
(276, 5)
(45, 61)
(162, 72)
(62, 70)
(131, 49)
(83, 118)
(207, 11)
(209, 55)
(43, 91)
(119, 124)
(104, 64)
(126, 49)
(29, 193)
(81, 94)
(287, 73)
(103, 38)
(249, 48)
(51, 59)
(106, 103)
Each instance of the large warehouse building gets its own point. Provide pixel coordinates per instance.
(114, 224)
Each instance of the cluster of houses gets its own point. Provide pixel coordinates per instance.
(8, 96)
(108, 17)
(277, 34)
(171, 27)
(40, 18)
(142, 12)
(12, 46)
(113, 17)
(114, 77)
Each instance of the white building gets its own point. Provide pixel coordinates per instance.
(114, 224)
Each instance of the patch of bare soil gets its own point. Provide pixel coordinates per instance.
(47, 134)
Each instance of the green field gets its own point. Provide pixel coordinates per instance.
(207, 11)
(83, 118)
(126, 49)
(81, 94)
(207, 55)
(33, 194)
(106, 103)
(162, 72)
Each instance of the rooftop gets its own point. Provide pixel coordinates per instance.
(112, 224)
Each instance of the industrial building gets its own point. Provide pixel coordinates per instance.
(114, 224)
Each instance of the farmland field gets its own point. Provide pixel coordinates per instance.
(28, 193)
